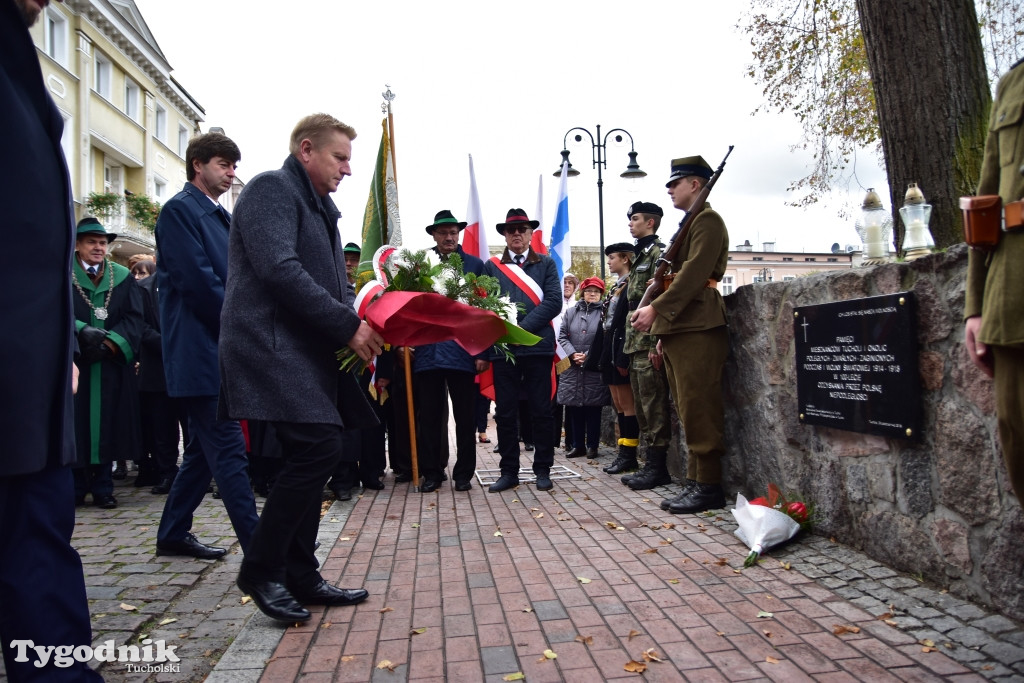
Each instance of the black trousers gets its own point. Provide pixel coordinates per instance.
(281, 548)
(530, 375)
(432, 388)
(161, 416)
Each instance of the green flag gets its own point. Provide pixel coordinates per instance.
(381, 224)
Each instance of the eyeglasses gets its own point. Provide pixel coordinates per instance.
(517, 228)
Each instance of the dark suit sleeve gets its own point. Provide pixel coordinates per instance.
(187, 265)
(127, 333)
(535, 320)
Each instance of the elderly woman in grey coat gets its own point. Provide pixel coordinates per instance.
(583, 392)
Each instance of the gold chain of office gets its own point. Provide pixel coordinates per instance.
(102, 312)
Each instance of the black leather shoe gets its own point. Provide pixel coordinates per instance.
(544, 482)
(622, 464)
(373, 485)
(342, 494)
(274, 600)
(504, 483)
(703, 497)
(592, 453)
(576, 453)
(163, 487)
(463, 485)
(688, 487)
(332, 596)
(495, 448)
(430, 485)
(527, 446)
(119, 473)
(190, 547)
(147, 479)
(105, 501)
(403, 477)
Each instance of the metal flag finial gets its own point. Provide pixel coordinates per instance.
(388, 96)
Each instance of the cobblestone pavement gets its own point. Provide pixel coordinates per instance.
(477, 586)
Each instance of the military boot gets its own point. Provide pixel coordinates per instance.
(625, 461)
(654, 473)
(688, 486)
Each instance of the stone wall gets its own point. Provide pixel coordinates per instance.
(941, 508)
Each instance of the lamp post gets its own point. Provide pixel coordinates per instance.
(599, 150)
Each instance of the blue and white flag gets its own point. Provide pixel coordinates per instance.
(560, 228)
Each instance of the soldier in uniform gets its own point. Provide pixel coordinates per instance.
(646, 371)
(994, 330)
(689, 320)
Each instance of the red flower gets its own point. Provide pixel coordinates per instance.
(760, 501)
(797, 511)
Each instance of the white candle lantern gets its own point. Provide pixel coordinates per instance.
(875, 229)
(915, 214)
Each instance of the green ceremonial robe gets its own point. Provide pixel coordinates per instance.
(107, 426)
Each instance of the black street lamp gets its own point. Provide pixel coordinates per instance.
(598, 146)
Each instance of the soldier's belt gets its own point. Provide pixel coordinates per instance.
(710, 284)
(985, 217)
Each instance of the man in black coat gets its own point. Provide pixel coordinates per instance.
(42, 589)
(286, 313)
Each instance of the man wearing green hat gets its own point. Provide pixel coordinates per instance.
(352, 252)
(689, 321)
(109, 322)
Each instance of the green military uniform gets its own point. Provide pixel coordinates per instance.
(691, 326)
(649, 384)
(995, 281)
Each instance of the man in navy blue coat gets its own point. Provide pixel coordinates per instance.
(529, 279)
(42, 590)
(447, 365)
(192, 245)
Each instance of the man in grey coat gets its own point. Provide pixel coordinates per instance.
(285, 315)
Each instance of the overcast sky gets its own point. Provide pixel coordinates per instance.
(504, 82)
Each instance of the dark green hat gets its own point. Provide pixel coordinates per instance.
(444, 217)
(649, 208)
(91, 225)
(688, 166)
(352, 248)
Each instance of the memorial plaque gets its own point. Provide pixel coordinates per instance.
(856, 365)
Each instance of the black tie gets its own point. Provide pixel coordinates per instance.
(519, 259)
(92, 271)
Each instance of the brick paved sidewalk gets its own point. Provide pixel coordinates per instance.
(478, 586)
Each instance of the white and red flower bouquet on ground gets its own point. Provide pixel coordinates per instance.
(765, 522)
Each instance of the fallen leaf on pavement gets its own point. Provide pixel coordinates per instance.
(586, 640)
(167, 621)
(348, 658)
(415, 525)
(666, 541)
(771, 660)
(840, 629)
(761, 614)
(245, 599)
(538, 516)
(722, 562)
(651, 655)
(887, 615)
(528, 609)
(632, 634)
(128, 608)
(891, 622)
(517, 676)
(582, 579)
(767, 634)
(418, 631)
(669, 525)
(326, 624)
(673, 580)
(385, 664)
(650, 551)
(785, 565)
(387, 609)
(928, 649)
(549, 654)
(635, 667)
(498, 533)
(611, 525)
(927, 642)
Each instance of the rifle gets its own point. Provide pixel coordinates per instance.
(657, 285)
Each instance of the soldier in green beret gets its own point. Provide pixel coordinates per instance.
(689, 320)
(994, 330)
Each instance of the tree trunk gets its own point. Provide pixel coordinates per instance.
(928, 71)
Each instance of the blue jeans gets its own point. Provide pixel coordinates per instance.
(216, 450)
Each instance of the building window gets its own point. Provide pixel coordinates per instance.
(787, 258)
(182, 140)
(831, 259)
(810, 258)
(56, 36)
(758, 258)
(159, 190)
(160, 129)
(104, 72)
(788, 278)
(131, 99)
(728, 284)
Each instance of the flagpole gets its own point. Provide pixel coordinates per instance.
(406, 356)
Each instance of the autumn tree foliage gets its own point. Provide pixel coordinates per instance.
(906, 79)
